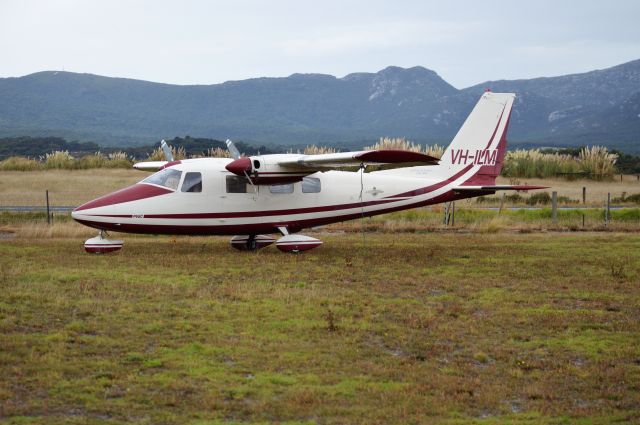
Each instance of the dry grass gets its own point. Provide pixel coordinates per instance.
(318, 150)
(596, 190)
(41, 230)
(218, 153)
(406, 145)
(158, 154)
(595, 163)
(66, 187)
(455, 329)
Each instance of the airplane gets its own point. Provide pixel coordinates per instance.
(254, 197)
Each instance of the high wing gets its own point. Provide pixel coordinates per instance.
(289, 168)
(351, 159)
(150, 165)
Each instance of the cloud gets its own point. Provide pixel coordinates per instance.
(379, 35)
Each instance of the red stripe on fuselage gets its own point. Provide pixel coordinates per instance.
(267, 213)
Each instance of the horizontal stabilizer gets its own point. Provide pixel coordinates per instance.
(496, 187)
(351, 159)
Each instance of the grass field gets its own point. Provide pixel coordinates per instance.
(431, 328)
(74, 187)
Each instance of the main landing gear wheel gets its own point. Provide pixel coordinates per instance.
(251, 242)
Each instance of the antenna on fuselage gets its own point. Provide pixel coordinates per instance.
(168, 155)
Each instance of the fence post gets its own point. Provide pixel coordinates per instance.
(453, 214)
(584, 195)
(554, 207)
(46, 193)
(501, 204)
(607, 213)
(446, 214)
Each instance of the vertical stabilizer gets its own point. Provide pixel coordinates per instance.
(481, 142)
(477, 151)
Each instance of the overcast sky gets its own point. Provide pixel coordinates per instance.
(206, 42)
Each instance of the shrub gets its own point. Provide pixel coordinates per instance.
(59, 160)
(402, 144)
(540, 198)
(18, 163)
(97, 160)
(119, 160)
(317, 150)
(218, 153)
(158, 154)
(597, 161)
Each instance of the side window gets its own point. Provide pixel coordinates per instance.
(192, 182)
(310, 185)
(281, 188)
(236, 184)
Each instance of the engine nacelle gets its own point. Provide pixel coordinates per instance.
(262, 172)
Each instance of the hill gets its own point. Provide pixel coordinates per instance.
(595, 107)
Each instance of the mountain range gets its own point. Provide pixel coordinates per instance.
(597, 107)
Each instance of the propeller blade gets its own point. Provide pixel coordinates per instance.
(167, 151)
(235, 153)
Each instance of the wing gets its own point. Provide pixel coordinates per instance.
(354, 159)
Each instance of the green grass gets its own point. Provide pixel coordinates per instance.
(455, 329)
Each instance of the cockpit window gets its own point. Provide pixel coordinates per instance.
(192, 182)
(168, 178)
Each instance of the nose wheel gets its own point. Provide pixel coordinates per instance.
(102, 245)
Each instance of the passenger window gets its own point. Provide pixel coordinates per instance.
(281, 188)
(192, 182)
(168, 178)
(236, 184)
(310, 185)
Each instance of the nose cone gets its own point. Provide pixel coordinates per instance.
(99, 210)
(239, 166)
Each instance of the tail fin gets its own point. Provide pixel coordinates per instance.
(481, 142)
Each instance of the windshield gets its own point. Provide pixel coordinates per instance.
(168, 178)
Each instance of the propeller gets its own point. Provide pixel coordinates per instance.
(241, 165)
(235, 153)
(167, 151)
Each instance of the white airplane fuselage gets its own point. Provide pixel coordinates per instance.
(340, 195)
